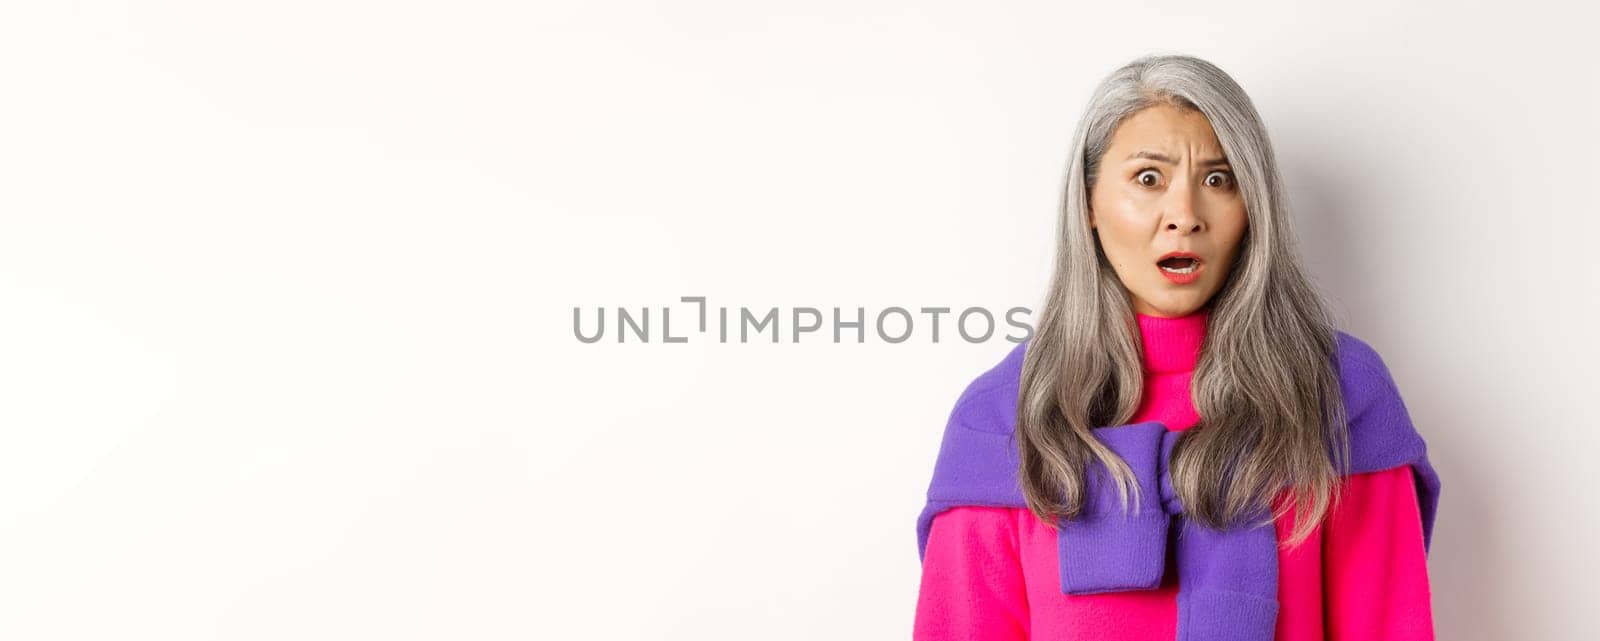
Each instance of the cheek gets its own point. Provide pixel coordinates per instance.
(1230, 242)
(1119, 219)
(1237, 225)
(1116, 235)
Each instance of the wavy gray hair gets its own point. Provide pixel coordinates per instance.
(1266, 385)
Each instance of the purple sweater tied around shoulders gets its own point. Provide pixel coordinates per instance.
(1228, 579)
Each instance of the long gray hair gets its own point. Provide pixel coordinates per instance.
(1266, 385)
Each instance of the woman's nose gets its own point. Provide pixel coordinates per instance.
(1179, 209)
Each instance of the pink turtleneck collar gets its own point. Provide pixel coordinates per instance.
(1171, 350)
(1172, 344)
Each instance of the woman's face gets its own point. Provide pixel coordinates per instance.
(1164, 186)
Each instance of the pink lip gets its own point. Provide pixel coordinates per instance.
(1182, 279)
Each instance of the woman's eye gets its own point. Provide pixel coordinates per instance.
(1224, 179)
(1151, 174)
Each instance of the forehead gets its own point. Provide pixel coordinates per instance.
(1165, 128)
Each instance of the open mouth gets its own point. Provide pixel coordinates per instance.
(1182, 268)
(1179, 264)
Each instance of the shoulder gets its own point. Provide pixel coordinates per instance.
(1364, 378)
(1380, 425)
(977, 460)
(1380, 428)
(989, 402)
(1359, 360)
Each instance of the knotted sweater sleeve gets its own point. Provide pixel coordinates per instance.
(972, 582)
(1375, 563)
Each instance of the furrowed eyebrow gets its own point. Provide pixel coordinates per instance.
(1151, 155)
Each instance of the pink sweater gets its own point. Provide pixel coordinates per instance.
(992, 573)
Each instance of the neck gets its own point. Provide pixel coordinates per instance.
(1171, 349)
(1172, 344)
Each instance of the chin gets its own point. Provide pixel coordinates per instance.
(1175, 309)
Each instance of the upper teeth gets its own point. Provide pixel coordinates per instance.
(1193, 265)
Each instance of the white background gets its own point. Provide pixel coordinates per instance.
(286, 295)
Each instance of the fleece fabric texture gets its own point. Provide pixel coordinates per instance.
(1361, 575)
